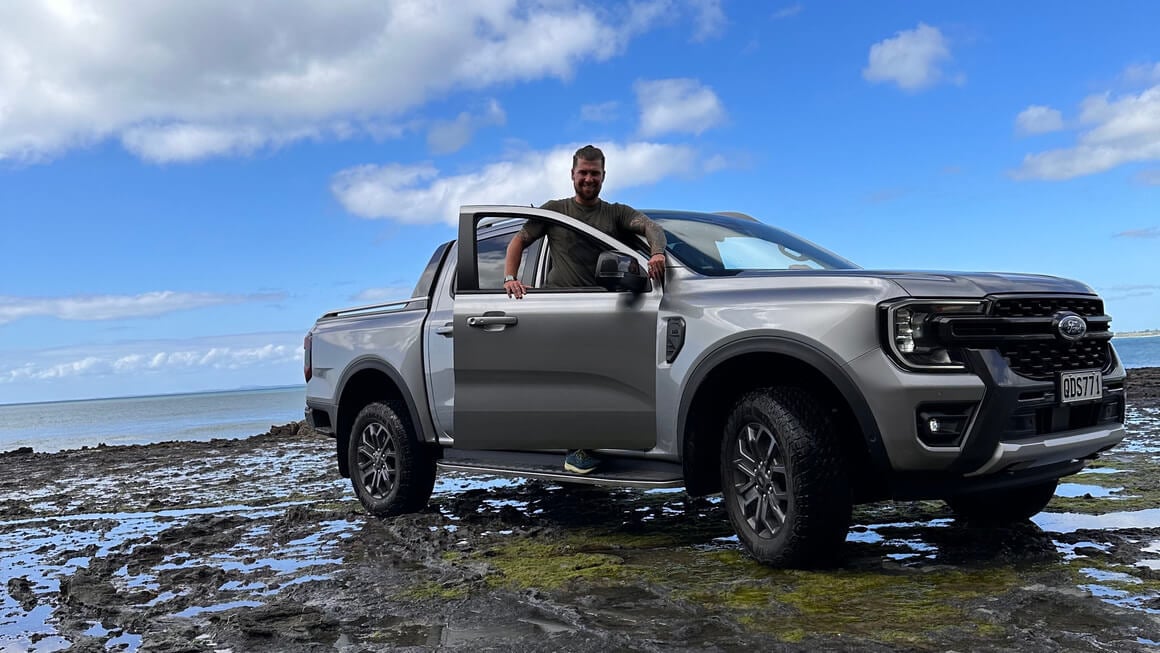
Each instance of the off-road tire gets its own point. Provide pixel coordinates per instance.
(803, 471)
(391, 471)
(997, 507)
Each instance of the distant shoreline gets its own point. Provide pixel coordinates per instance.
(1138, 334)
(164, 394)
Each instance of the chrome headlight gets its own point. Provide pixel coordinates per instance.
(911, 332)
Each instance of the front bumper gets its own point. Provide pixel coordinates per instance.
(1017, 423)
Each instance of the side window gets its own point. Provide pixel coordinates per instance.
(490, 255)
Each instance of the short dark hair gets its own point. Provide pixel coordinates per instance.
(588, 153)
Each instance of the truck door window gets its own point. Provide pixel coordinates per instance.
(490, 254)
(575, 241)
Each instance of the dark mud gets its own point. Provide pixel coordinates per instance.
(258, 545)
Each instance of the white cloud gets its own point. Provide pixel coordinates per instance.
(677, 105)
(112, 307)
(1150, 232)
(911, 59)
(184, 142)
(1143, 73)
(449, 136)
(419, 194)
(709, 18)
(788, 12)
(1038, 119)
(1150, 177)
(602, 112)
(134, 359)
(182, 81)
(1118, 131)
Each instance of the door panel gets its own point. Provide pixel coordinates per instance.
(576, 370)
(558, 369)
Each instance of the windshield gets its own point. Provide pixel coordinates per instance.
(722, 246)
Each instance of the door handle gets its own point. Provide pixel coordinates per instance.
(481, 321)
(446, 329)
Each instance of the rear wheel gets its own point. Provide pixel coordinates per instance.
(784, 479)
(391, 471)
(1003, 506)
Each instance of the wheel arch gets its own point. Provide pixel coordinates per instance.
(366, 380)
(748, 362)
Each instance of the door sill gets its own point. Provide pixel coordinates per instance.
(616, 472)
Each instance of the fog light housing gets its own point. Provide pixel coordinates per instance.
(944, 425)
(1112, 411)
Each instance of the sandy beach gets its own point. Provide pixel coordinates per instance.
(257, 544)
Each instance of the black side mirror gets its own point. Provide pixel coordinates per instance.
(616, 271)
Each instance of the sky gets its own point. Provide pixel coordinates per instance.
(185, 187)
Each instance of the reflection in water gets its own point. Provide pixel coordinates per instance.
(1068, 522)
(1079, 490)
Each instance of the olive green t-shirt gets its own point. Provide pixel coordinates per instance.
(573, 255)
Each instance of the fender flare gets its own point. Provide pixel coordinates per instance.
(805, 351)
(371, 362)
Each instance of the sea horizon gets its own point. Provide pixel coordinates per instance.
(246, 388)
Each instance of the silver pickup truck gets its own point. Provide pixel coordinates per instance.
(762, 367)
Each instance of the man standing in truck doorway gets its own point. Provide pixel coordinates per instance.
(573, 256)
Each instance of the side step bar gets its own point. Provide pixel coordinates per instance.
(614, 472)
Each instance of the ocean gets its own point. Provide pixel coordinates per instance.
(203, 416)
(61, 425)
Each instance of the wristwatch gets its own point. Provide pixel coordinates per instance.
(508, 278)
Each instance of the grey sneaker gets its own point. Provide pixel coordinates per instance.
(580, 462)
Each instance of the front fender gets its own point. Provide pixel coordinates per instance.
(801, 349)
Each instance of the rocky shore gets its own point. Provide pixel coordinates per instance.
(257, 544)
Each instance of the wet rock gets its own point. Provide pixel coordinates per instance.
(14, 508)
(89, 645)
(21, 590)
(89, 589)
(22, 451)
(172, 643)
(296, 622)
(204, 532)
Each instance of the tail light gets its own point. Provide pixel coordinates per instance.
(306, 370)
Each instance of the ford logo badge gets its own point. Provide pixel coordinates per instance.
(1069, 326)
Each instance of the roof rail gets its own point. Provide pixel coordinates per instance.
(738, 214)
(398, 303)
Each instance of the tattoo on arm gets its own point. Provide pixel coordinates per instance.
(651, 230)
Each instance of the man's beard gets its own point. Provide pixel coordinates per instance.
(588, 192)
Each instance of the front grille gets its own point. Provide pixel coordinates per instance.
(1042, 359)
(1046, 306)
(1023, 330)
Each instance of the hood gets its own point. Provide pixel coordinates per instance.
(978, 284)
(954, 284)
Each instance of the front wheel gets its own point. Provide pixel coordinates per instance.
(995, 507)
(784, 478)
(391, 471)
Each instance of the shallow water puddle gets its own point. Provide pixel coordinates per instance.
(1100, 470)
(1068, 522)
(1079, 490)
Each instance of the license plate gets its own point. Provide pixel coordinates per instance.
(1080, 386)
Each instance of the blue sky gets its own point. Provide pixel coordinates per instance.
(186, 186)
